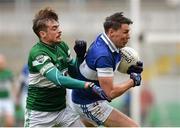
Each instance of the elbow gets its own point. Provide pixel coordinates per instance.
(114, 94)
(110, 96)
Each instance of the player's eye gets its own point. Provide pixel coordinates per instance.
(126, 32)
(54, 28)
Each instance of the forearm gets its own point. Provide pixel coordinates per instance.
(57, 78)
(120, 89)
(114, 90)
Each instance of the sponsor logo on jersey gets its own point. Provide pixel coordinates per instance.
(40, 60)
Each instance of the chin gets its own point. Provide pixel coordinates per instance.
(122, 46)
(58, 40)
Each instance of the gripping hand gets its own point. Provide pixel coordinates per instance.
(80, 48)
(99, 91)
(136, 78)
(138, 68)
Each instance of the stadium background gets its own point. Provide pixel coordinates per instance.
(158, 42)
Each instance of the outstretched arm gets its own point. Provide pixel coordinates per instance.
(57, 77)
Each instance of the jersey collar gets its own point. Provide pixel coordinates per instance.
(49, 46)
(110, 44)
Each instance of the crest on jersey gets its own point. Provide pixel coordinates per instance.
(40, 60)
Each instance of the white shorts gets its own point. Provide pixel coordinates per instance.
(7, 106)
(64, 118)
(96, 112)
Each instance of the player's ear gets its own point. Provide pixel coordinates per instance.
(111, 32)
(42, 34)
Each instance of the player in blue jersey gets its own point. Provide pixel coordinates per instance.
(101, 61)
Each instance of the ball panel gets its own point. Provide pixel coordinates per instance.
(129, 57)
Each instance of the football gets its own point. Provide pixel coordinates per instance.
(129, 56)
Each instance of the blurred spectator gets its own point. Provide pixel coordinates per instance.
(6, 94)
(126, 103)
(147, 100)
(22, 89)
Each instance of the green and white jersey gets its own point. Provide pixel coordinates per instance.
(44, 95)
(6, 83)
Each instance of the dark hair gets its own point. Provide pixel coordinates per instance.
(41, 18)
(114, 21)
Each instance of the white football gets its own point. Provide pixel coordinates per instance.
(129, 57)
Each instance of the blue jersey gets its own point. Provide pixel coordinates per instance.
(24, 78)
(102, 60)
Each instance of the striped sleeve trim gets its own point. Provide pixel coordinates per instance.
(105, 72)
(46, 68)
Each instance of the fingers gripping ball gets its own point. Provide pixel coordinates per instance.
(138, 68)
(129, 57)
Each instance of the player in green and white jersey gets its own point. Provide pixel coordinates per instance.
(6, 94)
(48, 62)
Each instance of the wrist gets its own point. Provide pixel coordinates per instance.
(132, 82)
(88, 85)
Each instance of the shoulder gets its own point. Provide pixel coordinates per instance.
(99, 48)
(37, 50)
(98, 53)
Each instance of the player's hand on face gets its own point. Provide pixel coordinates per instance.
(80, 48)
(136, 78)
(138, 68)
(99, 91)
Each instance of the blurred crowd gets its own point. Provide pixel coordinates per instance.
(13, 91)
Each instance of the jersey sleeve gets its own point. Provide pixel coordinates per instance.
(104, 67)
(56, 77)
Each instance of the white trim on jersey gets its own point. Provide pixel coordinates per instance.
(87, 72)
(105, 72)
(110, 44)
(90, 74)
(46, 68)
(39, 80)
